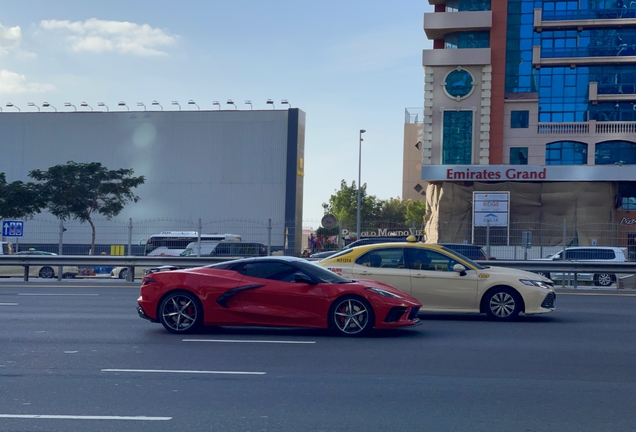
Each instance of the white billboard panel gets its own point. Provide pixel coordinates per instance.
(492, 219)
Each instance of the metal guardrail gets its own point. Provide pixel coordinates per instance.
(148, 262)
(104, 261)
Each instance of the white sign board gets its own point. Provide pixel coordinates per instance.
(491, 209)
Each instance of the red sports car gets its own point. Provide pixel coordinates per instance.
(272, 291)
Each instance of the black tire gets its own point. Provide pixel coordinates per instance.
(502, 304)
(180, 312)
(604, 279)
(544, 274)
(351, 316)
(46, 273)
(68, 276)
(123, 273)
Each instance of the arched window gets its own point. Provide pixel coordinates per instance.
(566, 153)
(615, 153)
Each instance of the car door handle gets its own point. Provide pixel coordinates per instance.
(418, 275)
(365, 273)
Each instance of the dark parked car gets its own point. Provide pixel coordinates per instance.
(361, 242)
(474, 252)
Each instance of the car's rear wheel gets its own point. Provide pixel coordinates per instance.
(351, 316)
(46, 273)
(123, 274)
(181, 312)
(502, 304)
(603, 279)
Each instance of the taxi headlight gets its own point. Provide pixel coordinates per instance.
(384, 293)
(536, 283)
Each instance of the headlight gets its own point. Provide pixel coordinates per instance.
(536, 283)
(384, 293)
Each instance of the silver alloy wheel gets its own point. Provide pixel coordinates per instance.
(46, 273)
(179, 312)
(123, 274)
(502, 304)
(604, 279)
(351, 316)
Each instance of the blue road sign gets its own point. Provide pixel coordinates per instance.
(12, 228)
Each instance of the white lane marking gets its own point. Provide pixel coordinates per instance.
(248, 341)
(76, 417)
(183, 371)
(8, 304)
(70, 352)
(38, 294)
(597, 294)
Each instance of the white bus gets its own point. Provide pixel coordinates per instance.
(173, 243)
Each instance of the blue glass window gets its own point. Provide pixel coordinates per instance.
(475, 39)
(518, 155)
(566, 153)
(615, 152)
(467, 5)
(458, 138)
(519, 119)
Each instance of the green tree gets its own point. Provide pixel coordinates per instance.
(78, 190)
(343, 204)
(415, 211)
(392, 210)
(18, 199)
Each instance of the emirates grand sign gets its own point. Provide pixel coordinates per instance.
(492, 173)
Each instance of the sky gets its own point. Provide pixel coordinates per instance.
(349, 64)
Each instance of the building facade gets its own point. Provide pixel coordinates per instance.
(531, 97)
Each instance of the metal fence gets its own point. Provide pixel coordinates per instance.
(128, 237)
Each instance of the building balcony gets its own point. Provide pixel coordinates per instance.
(587, 128)
(582, 19)
(438, 24)
(436, 2)
(583, 56)
(456, 57)
(611, 92)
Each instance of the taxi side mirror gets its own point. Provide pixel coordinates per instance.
(459, 269)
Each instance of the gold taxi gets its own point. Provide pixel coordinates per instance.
(446, 281)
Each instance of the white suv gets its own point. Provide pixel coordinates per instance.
(589, 253)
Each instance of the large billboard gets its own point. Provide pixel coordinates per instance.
(209, 165)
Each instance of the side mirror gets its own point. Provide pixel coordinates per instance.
(459, 269)
(303, 278)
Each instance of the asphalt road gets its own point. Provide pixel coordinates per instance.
(75, 357)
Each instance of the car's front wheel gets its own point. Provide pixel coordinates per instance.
(502, 304)
(181, 312)
(351, 316)
(603, 279)
(46, 273)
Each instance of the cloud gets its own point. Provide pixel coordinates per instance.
(122, 37)
(10, 39)
(14, 83)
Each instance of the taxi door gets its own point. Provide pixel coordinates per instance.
(437, 286)
(384, 265)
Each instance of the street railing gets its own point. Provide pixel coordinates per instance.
(151, 262)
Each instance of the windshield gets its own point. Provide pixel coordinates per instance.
(464, 258)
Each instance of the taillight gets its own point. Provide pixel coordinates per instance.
(146, 280)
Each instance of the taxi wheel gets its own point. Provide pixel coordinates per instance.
(181, 312)
(502, 304)
(351, 316)
(123, 274)
(46, 273)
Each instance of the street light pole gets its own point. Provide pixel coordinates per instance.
(359, 185)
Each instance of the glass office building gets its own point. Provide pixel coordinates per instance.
(541, 87)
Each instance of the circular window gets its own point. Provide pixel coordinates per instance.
(459, 84)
